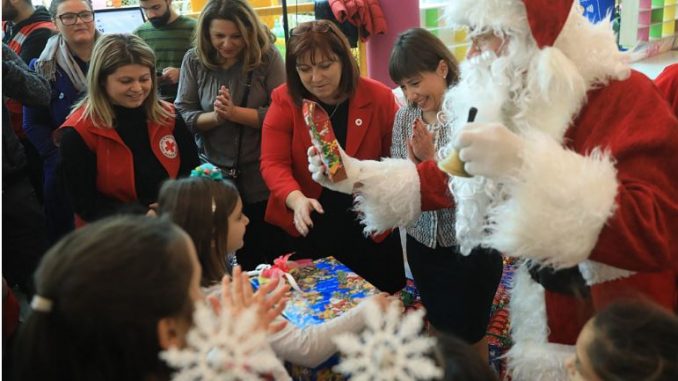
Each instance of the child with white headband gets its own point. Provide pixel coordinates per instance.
(111, 295)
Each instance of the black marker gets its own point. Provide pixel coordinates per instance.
(472, 112)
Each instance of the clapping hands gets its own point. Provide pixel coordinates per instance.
(237, 295)
(223, 105)
(420, 147)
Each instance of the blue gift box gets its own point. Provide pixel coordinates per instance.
(329, 289)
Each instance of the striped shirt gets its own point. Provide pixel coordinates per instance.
(434, 228)
(170, 43)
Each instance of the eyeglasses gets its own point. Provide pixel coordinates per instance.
(322, 26)
(483, 40)
(72, 18)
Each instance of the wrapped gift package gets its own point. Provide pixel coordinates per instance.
(324, 140)
(329, 289)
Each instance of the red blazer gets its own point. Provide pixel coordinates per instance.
(285, 140)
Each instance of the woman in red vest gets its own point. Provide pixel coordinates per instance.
(121, 141)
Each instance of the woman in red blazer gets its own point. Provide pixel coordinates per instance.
(320, 67)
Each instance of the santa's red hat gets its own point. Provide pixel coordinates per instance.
(544, 18)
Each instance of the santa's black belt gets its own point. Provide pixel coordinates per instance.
(567, 281)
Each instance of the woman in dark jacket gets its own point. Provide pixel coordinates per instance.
(64, 63)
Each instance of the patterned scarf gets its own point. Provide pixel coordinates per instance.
(56, 52)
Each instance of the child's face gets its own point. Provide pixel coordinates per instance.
(237, 223)
(579, 365)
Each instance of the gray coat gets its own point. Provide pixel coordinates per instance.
(198, 87)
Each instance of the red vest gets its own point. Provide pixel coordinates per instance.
(16, 43)
(115, 163)
(18, 40)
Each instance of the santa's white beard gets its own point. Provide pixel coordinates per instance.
(516, 90)
(485, 84)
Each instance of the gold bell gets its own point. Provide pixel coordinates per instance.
(453, 165)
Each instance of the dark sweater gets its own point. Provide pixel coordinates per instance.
(36, 41)
(80, 173)
(335, 202)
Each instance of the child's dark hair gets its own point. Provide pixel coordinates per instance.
(109, 284)
(460, 362)
(416, 51)
(634, 340)
(201, 206)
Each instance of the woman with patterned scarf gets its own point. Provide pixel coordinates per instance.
(64, 63)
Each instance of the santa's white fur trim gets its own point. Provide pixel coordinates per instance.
(554, 94)
(389, 196)
(531, 357)
(596, 272)
(559, 203)
(591, 47)
(488, 15)
(527, 307)
(531, 361)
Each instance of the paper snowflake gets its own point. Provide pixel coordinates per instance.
(224, 348)
(390, 348)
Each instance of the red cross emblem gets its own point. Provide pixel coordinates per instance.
(168, 146)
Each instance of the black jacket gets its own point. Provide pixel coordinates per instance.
(36, 41)
(23, 85)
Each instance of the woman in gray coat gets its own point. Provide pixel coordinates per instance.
(224, 93)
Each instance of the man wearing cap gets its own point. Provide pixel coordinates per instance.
(573, 158)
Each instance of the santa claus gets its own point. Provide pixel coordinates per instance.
(574, 163)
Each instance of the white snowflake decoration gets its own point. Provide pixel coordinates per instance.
(224, 348)
(389, 349)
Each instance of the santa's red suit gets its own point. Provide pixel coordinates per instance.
(635, 252)
(596, 186)
(667, 82)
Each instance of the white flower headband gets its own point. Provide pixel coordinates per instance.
(224, 347)
(389, 349)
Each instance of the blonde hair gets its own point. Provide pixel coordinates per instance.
(111, 52)
(257, 37)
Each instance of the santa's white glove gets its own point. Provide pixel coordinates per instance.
(319, 171)
(490, 150)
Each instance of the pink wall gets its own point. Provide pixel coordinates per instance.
(98, 4)
(400, 16)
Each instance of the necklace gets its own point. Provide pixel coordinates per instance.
(336, 107)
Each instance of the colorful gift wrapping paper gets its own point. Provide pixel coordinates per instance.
(330, 289)
(325, 141)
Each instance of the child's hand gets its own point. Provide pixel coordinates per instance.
(239, 296)
(384, 299)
